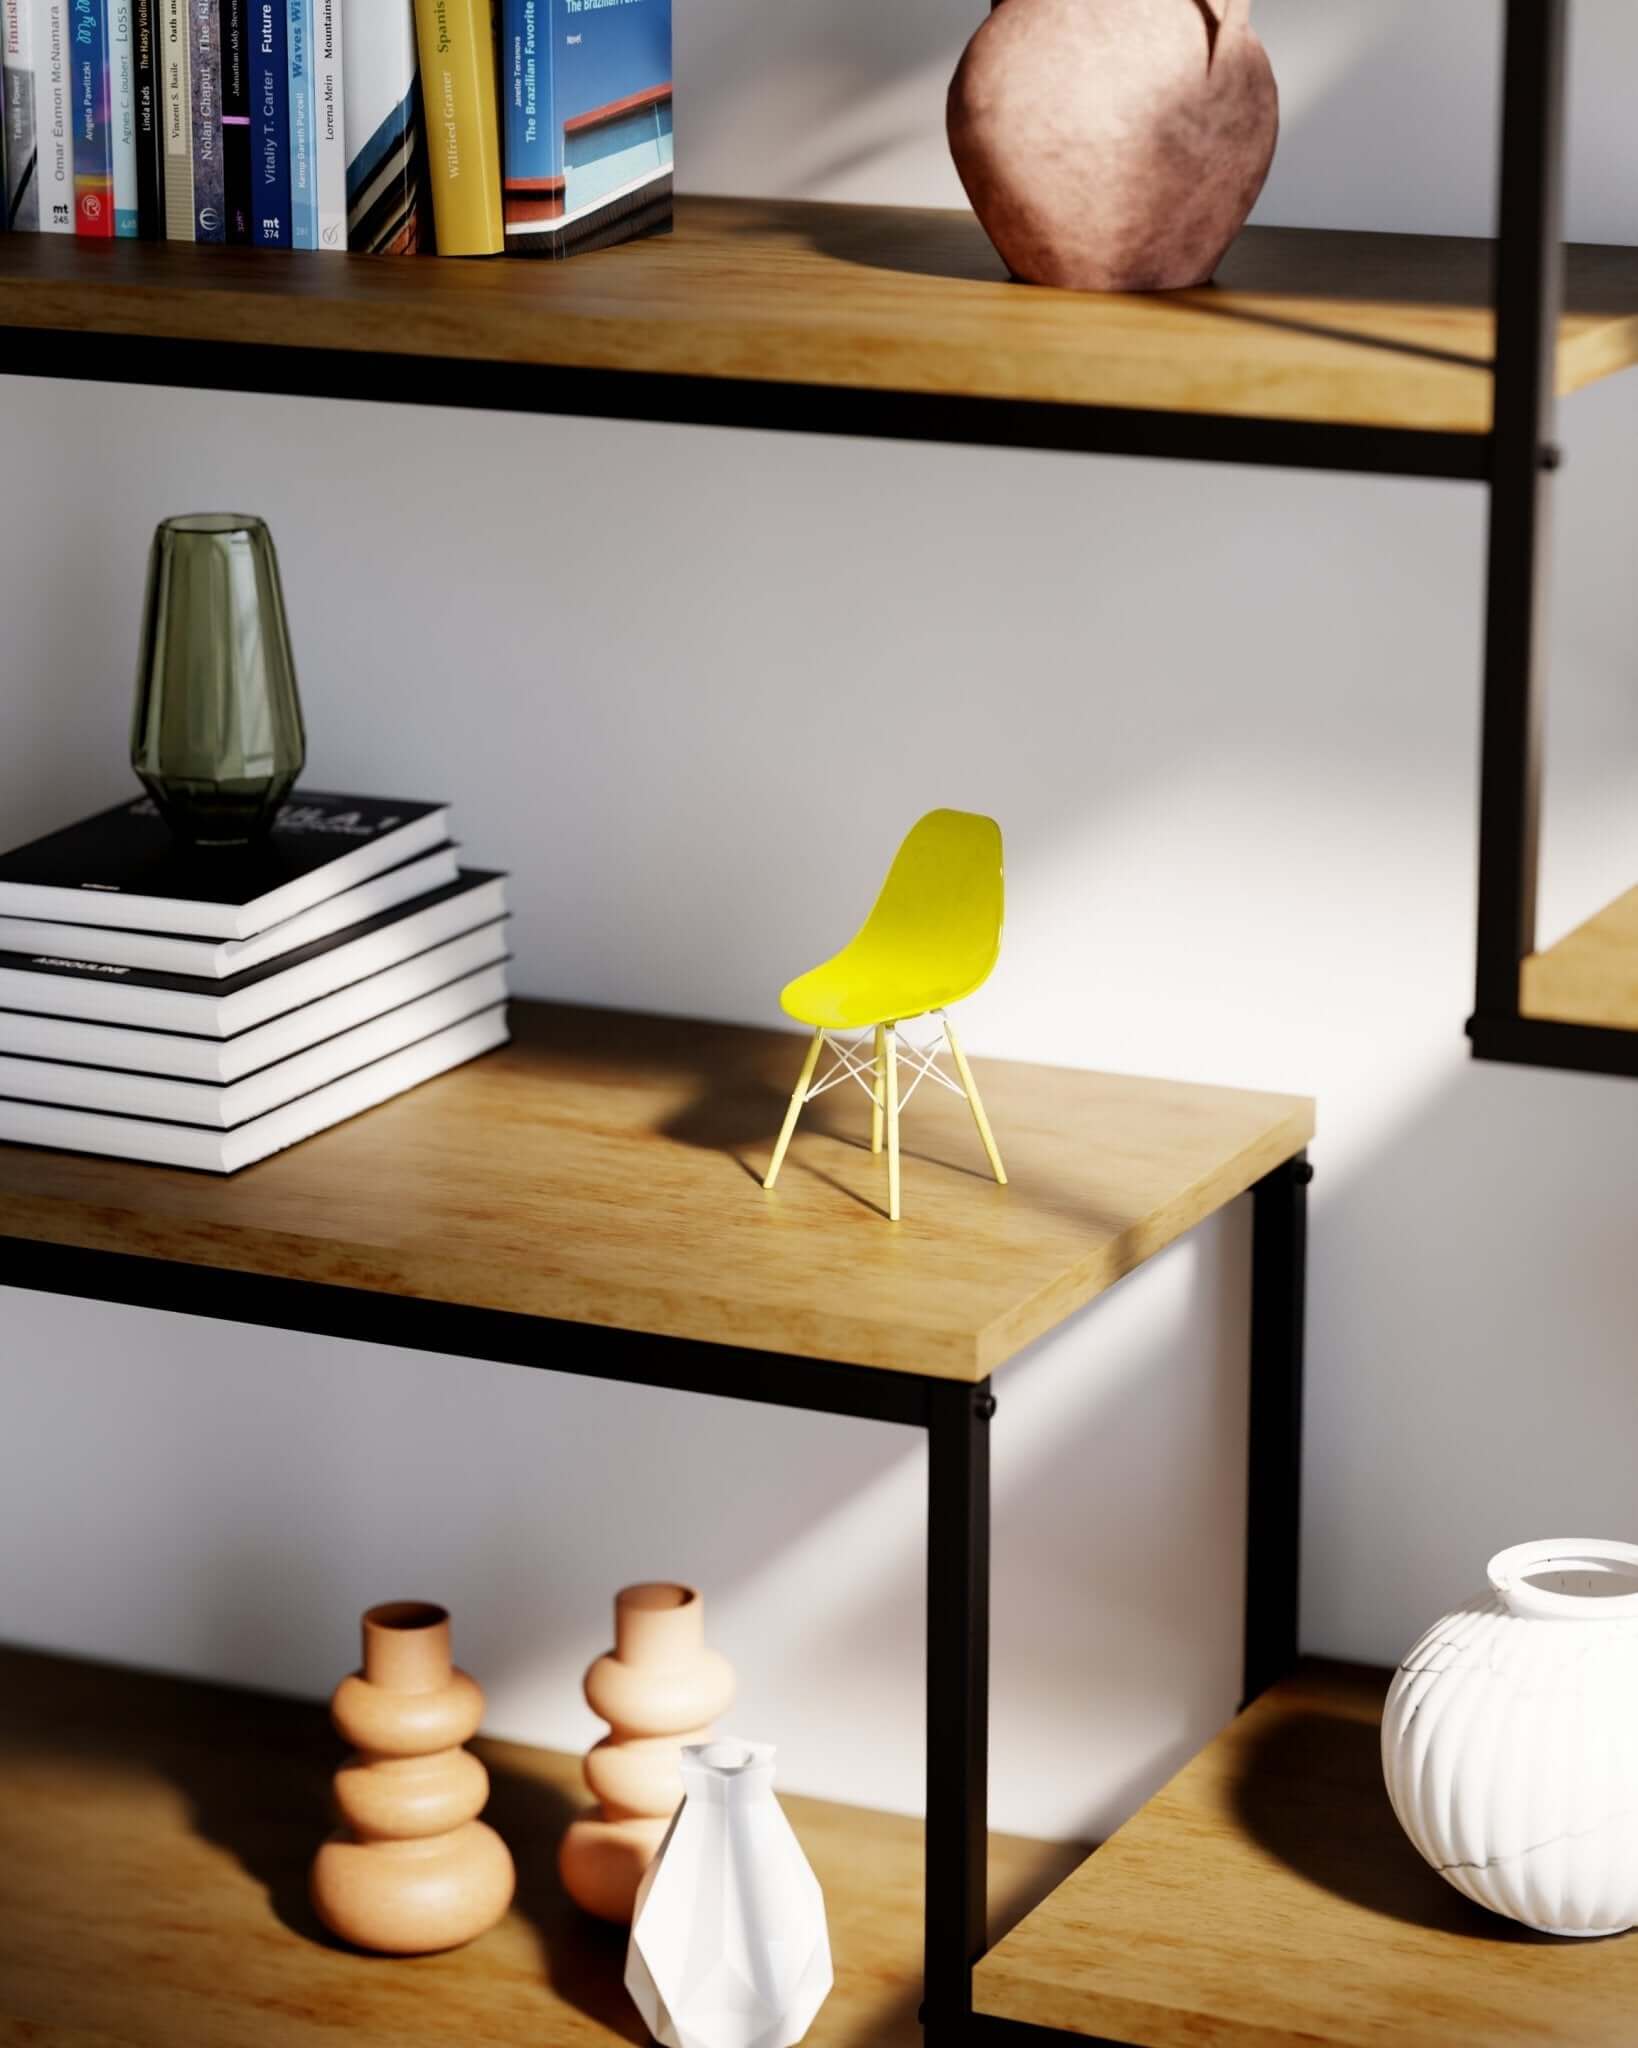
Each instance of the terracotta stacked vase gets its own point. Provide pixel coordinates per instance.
(658, 1688)
(1114, 145)
(412, 1868)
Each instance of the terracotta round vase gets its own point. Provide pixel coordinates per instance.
(1114, 145)
(658, 1688)
(412, 1868)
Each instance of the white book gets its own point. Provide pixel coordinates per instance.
(122, 113)
(219, 959)
(53, 117)
(22, 201)
(222, 1061)
(224, 1107)
(65, 987)
(329, 106)
(207, 1151)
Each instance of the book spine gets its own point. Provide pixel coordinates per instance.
(149, 121)
(329, 106)
(122, 115)
(205, 86)
(270, 127)
(386, 142)
(176, 106)
(53, 117)
(233, 32)
(532, 188)
(21, 207)
(303, 129)
(457, 40)
(93, 150)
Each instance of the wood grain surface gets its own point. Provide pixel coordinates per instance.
(154, 1843)
(1267, 1899)
(605, 1167)
(1301, 324)
(1590, 976)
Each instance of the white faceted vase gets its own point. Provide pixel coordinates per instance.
(729, 1947)
(1510, 1739)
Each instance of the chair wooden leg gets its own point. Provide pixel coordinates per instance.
(976, 1104)
(879, 1092)
(891, 1066)
(798, 1097)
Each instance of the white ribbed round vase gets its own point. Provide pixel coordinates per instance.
(1510, 1739)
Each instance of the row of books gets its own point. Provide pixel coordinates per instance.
(201, 1008)
(471, 126)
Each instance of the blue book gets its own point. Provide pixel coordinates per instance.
(93, 137)
(586, 105)
(269, 127)
(304, 221)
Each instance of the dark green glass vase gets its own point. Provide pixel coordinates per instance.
(217, 737)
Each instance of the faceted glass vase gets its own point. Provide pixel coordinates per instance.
(217, 736)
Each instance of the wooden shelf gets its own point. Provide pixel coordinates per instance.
(863, 306)
(1267, 1899)
(1590, 977)
(154, 1843)
(604, 1169)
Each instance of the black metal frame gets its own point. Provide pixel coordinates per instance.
(1524, 455)
(956, 1417)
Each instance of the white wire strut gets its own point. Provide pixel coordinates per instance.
(922, 1061)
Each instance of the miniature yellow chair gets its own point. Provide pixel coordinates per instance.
(932, 938)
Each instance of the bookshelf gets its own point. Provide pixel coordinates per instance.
(587, 1200)
(1337, 349)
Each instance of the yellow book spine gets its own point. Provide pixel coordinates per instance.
(457, 46)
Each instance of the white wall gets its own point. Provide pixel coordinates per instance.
(1230, 723)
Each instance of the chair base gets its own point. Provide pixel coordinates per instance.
(878, 1076)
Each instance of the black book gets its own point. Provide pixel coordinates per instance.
(61, 986)
(124, 867)
(150, 124)
(236, 168)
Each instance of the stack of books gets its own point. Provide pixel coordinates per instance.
(201, 1007)
(538, 127)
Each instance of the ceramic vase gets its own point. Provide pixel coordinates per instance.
(1507, 1739)
(658, 1688)
(1114, 145)
(411, 1868)
(729, 1946)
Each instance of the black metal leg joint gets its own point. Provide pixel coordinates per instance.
(1279, 1257)
(958, 1679)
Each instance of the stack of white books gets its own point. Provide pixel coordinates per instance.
(206, 1007)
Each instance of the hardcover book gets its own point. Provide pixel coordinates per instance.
(208, 1151)
(587, 92)
(176, 111)
(149, 121)
(53, 116)
(303, 131)
(93, 143)
(329, 120)
(270, 118)
(386, 171)
(233, 33)
(59, 985)
(115, 1091)
(205, 87)
(185, 1056)
(217, 959)
(123, 867)
(457, 42)
(21, 206)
